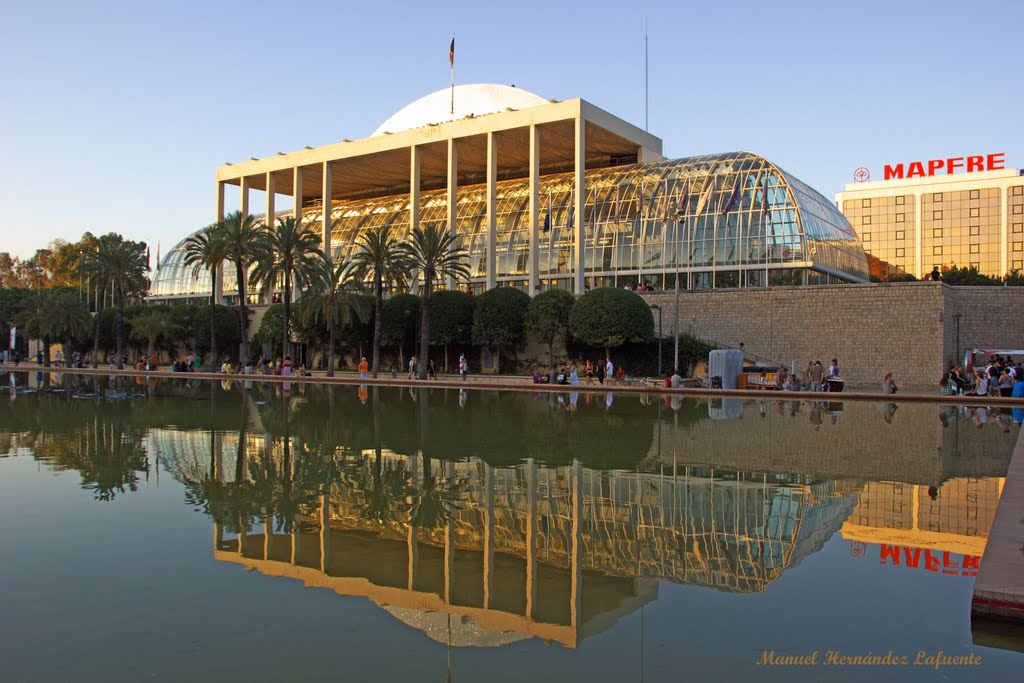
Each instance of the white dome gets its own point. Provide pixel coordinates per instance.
(477, 99)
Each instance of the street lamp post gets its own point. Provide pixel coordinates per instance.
(956, 318)
(656, 307)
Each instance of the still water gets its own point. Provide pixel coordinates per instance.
(203, 531)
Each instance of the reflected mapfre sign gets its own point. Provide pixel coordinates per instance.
(937, 561)
(920, 169)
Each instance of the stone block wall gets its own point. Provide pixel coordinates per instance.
(905, 327)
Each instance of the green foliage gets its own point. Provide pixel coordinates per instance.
(12, 300)
(1014, 278)
(398, 319)
(970, 276)
(499, 320)
(451, 317)
(271, 329)
(151, 325)
(547, 318)
(610, 317)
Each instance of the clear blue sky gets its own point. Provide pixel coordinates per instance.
(115, 115)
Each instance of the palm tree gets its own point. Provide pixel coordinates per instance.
(121, 265)
(433, 253)
(291, 250)
(70, 318)
(36, 319)
(244, 240)
(331, 298)
(206, 250)
(152, 324)
(381, 258)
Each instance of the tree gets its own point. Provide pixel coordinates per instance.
(151, 325)
(1014, 278)
(71, 319)
(610, 317)
(331, 299)
(35, 318)
(292, 255)
(969, 276)
(398, 321)
(547, 319)
(451, 319)
(121, 265)
(206, 250)
(380, 258)
(499, 319)
(245, 242)
(432, 252)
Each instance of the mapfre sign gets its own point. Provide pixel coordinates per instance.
(920, 169)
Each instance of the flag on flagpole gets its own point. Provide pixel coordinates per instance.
(451, 53)
(705, 196)
(684, 197)
(733, 196)
(158, 254)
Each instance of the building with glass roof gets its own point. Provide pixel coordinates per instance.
(550, 194)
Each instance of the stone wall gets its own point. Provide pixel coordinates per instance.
(906, 327)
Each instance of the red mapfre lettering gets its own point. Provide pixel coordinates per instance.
(891, 552)
(893, 171)
(916, 170)
(975, 163)
(954, 163)
(972, 562)
(935, 164)
(994, 159)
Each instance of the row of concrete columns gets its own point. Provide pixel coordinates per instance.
(415, 155)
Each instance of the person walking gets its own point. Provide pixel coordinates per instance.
(815, 374)
(463, 367)
(600, 374)
(431, 370)
(588, 370)
(574, 378)
(609, 370)
(364, 367)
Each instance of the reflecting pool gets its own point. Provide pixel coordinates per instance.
(185, 530)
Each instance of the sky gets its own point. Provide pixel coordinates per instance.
(115, 115)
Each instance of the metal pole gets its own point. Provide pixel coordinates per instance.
(656, 307)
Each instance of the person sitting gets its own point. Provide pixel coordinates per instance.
(562, 378)
(667, 381)
(888, 384)
(539, 378)
(981, 387)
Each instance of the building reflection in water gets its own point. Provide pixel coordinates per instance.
(478, 554)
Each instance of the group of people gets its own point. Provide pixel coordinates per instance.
(571, 375)
(999, 377)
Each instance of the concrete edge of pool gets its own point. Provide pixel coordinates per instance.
(506, 383)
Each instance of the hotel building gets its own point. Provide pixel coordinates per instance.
(913, 224)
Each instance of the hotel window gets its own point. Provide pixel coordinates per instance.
(937, 232)
(1018, 191)
(867, 220)
(866, 237)
(1018, 208)
(975, 213)
(975, 230)
(936, 251)
(975, 194)
(900, 218)
(900, 234)
(975, 265)
(1018, 227)
(1018, 246)
(865, 203)
(1017, 265)
(975, 248)
(899, 201)
(937, 197)
(900, 253)
(937, 215)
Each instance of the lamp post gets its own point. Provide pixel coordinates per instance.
(956, 319)
(656, 307)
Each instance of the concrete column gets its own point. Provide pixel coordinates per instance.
(579, 198)
(917, 236)
(218, 535)
(244, 197)
(412, 543)
(576, 591)
(1004, 231)
(492, 204)
(325, 532)
(268, 531)
(531, 263)
(531, 537)
(414, 187)
(453, 192)
(297, 193)
(488, 534)
(328, 190)
(218, 292)
(271, 221)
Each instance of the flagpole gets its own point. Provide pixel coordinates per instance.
(646, 99)
(451, 61)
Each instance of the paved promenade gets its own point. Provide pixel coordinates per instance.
(999, 588)
(523, 383)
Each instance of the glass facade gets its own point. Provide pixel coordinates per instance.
(723, 220)
(957, 228)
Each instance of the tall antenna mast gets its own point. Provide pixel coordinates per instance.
(645, 75)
